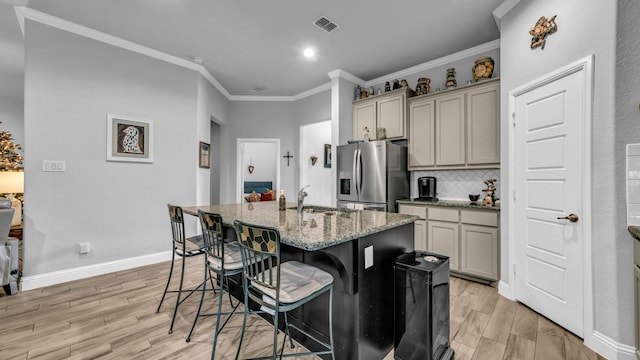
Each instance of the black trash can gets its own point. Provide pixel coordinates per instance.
(421, 307)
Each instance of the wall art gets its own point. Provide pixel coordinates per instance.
(205, 155)
(541, 29)
(129, 139)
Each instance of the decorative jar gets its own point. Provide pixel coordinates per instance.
(483, 69)
(423, 87)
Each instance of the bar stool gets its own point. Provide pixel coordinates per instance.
(223, 259)
(279, 287)
(180, 244)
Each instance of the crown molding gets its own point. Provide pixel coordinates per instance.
(339, 73)
(46, 19)
(476, 50)
(503, 9)
(23, 13)
(302, 95)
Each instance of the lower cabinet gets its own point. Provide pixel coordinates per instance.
(479, 251)
(443, 240)
(468, 236)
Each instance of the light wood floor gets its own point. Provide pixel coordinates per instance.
(113, 317)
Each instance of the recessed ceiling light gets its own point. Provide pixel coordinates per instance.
(197, 59)
(309, 53)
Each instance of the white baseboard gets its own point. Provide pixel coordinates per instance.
(504, 289)
(62, 276)
(611, 349)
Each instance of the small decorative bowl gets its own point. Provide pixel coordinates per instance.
(474, 198)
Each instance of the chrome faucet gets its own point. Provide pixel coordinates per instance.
(301, 195)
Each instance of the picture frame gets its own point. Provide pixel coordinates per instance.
(327, 155)
(205, 155)
(129, 139)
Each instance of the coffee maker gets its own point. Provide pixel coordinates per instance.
(427, 188)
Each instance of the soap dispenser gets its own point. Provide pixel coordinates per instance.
(282, 201)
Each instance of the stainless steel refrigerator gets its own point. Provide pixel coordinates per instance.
(372, 175)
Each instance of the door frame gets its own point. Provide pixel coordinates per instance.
(584, 65)
(239, 165)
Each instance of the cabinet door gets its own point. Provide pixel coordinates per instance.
(420, 235)
(450, 132)
(391, 116)
(421, 133)
(364, 115)
(443, 239)
(479, 251)
(483, 125)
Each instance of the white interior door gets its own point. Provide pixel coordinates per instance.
(548, 250)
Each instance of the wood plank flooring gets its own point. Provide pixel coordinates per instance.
(113, 317)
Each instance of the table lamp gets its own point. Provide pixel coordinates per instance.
(11, 183)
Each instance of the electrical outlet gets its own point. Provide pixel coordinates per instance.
(84, 248)
(368, 257)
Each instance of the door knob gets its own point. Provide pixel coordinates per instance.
(571, 217)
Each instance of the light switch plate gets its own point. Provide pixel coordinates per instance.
(53, 165)
(368, 257)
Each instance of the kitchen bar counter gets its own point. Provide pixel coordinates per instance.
(319, 227)
(358, 248)
(450, 203)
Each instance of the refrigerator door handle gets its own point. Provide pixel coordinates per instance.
(359, 173)
(354, 170)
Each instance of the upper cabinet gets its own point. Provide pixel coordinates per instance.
(386, 111)
(456, 129)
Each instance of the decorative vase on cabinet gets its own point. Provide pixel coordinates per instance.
(483, 69)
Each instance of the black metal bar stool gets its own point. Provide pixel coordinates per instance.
(279, 287)
(223, 259)
(180, 243)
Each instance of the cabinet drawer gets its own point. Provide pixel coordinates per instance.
(442, 214)
(419, 211)
(479, 217)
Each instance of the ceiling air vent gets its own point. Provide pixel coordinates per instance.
(258, 88)
(326, 24)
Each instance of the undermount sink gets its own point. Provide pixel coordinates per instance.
(319, 210)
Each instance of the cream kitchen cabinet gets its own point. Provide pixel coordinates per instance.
(483, 125)
(386, 111)
(456, 129)
(421, 148)
(450, 143)
(419, 227)
(469, 236)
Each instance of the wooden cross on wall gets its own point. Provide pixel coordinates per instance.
(288, 156)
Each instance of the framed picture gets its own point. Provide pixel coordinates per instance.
(129, 139)
(327, 155)
(205, 155)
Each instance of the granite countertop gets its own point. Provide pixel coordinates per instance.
(451, 203)
(635, 231)
(321, 228)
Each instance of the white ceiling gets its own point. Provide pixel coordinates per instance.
(248, 42)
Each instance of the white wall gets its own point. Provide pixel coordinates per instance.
(612, 267)
(313, 137)
(11, 74)
(264, 157)
(120, 208)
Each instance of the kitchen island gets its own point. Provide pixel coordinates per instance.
(357, 248)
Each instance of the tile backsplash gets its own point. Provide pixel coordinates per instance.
(633, 184)
(457, 184)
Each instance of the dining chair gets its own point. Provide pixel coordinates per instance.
(183, 248)
(222, 258)
(279, 287)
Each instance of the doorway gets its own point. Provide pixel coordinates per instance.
(549, 225)
(314, 139)
(257, 160)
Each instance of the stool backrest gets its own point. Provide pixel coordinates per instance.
(177, 225)
(260, 246)
(212, 235)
